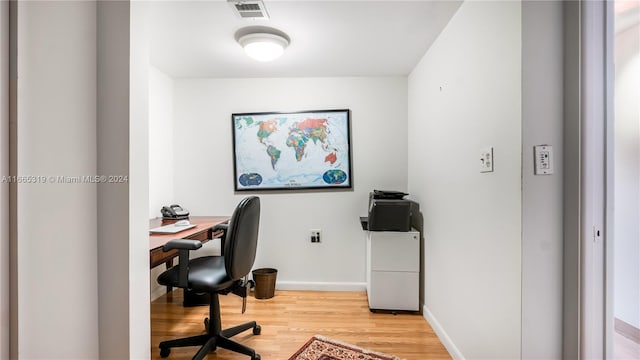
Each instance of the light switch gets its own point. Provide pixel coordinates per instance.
(543, 159)
(486, 160)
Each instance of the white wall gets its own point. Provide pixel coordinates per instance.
(123, 305)
(465, 94)
(4, 187)
(203, 180)
(161, 155)
(138, 166)
(542, 205)
(572, 194)
(160, 141)
(627, 176)
(56, 133)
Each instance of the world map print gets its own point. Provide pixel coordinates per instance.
(292, 150)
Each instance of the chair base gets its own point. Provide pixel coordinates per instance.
(209, 343)
(215, 337)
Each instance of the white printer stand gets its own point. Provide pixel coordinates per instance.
(393, 270)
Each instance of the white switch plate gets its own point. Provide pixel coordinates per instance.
(543, 159)
(486, 159)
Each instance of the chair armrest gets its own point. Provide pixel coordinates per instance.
(183, 246)
(223, 236)
(219, 227)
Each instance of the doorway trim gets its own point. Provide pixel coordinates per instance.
(588, 165)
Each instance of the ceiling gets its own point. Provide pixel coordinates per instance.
(195, 39)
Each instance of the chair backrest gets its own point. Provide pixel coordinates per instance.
(241, 238)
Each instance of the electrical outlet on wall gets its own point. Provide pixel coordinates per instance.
(314, 235)
(486, 159)
(543, 155)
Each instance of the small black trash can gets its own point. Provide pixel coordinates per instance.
(265, 280)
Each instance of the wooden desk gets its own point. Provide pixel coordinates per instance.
(202, 232)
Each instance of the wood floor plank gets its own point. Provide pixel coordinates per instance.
(290, 318)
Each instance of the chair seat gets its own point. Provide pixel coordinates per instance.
(206, 274)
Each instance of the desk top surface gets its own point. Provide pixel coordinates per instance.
(203, 223)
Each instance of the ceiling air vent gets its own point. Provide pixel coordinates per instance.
(250, 9)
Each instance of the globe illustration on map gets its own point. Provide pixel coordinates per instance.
(250, 179)
(334, 177)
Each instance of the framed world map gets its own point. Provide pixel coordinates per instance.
(292, 151)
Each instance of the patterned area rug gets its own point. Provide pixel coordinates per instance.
(322, 348)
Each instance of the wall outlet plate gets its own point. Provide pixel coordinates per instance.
(486, 159)
(543, 155)
(315, 235)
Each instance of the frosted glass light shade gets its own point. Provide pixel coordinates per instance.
(263, 46)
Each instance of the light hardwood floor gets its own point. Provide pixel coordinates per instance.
(290, 318)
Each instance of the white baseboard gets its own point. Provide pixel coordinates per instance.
(627, 330)
(455, 353)
(157, 291)
(320, 286)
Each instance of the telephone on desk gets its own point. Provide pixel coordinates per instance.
(174, 212)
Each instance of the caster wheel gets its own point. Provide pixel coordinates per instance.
(256, 331)
(255, 357)
(164, 352)
(206, 324)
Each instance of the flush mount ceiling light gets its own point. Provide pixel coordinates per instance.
(263, 46)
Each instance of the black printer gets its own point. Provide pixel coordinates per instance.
(388, 211)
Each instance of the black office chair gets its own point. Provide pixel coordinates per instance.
(218, 275)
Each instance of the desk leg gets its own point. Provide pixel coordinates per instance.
(169, 265)
(218, 234)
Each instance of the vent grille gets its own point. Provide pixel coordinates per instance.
(252, 15)
(250, 9)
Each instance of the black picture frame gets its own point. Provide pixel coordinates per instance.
(297, 150)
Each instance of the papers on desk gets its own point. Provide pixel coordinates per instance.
(170, 229)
